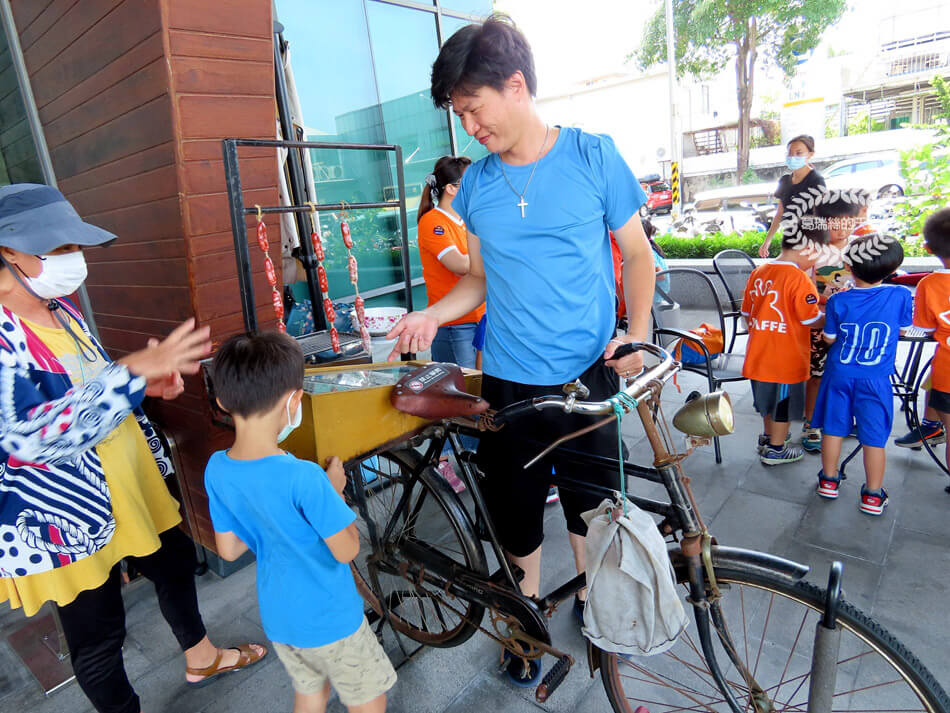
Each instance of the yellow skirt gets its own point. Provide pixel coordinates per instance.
(142, 507)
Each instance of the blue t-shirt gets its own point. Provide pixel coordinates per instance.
(549, 275)
(866, 323)
(284, 509)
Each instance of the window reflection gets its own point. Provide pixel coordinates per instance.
(18, 160)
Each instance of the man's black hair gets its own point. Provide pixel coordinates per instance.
(482, 56)
(874, 268)
(937, 233)
(251, 372)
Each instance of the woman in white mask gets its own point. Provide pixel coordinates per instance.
(81, 469)
(798, 182)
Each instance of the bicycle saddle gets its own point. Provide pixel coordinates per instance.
(436, 390)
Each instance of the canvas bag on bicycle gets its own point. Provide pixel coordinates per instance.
(632, 603)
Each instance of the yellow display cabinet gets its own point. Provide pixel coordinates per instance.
(347, 412)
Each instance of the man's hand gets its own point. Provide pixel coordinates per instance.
(335, 473)
(415, 332)
(627, 366)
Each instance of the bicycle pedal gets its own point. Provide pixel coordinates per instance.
(554, 678)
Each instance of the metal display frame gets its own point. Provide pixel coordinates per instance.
(239, 212)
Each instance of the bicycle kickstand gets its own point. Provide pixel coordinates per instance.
(824, 660)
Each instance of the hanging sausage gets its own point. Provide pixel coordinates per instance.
(269, 271)
(320, 254)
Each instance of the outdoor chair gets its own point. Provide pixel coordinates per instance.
(734, 268)
(685, 298)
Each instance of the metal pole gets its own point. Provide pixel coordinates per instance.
(297, 192)
(404, 227)
(232, 177)
(671, 73)
(36, 130)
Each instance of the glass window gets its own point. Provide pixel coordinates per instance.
(867, 165)
(482, 8)
(841, 170)
(18, 161)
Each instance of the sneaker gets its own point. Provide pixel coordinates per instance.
(811, 440)
(763, 444)
(779, 456)
(828, 487)
(448, 474)
(873, 502)
(515, 670)
(915, 438)
(553, 497)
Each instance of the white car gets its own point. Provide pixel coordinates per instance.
(878, 174)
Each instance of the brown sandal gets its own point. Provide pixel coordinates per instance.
(246, 657)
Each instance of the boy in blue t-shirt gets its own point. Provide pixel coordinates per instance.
(862, 325)
(292, 515)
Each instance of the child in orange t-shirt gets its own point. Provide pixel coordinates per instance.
(932, 313)
(781, 308)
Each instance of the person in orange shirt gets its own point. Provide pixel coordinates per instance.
(932, 313)
(781, 308)
(443, 247)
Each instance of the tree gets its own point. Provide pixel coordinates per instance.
(710, 33)
(926, 168)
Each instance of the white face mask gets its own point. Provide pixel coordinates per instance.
(61, 275)
(292, 422)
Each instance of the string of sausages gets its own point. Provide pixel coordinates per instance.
(320, 254)
(270, 271)
(358, 304)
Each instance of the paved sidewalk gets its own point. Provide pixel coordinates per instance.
(897, 567)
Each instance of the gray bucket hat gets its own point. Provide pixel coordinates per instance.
(37, 219)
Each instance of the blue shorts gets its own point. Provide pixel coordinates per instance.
(478, 341)
(844, 401)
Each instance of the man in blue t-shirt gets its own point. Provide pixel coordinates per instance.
(863, 326)
(292, 515)
(539, 210)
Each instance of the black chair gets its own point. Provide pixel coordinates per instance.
(672, 322)
(734, 268)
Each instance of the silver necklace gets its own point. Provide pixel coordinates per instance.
(522, 203)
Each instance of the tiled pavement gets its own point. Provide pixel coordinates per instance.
(896, 567)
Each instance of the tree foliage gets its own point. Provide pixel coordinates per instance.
(711, 33)
(926, 168)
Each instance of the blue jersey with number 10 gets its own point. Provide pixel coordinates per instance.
(866, 324)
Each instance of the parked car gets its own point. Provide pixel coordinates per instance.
(736, 208)
(878, 174)
(659, 196)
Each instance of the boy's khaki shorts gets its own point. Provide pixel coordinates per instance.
(356, 667)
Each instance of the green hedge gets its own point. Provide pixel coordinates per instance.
(749, 242)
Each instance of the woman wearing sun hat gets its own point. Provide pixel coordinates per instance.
(81, 469)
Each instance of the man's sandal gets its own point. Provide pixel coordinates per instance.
(246, 657)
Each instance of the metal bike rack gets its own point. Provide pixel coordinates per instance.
(824, 659)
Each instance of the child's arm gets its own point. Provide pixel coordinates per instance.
(229, 545)
(344, 545)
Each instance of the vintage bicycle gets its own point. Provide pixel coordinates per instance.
(761, 638)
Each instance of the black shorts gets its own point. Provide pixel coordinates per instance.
(516, 497)
(939, 401)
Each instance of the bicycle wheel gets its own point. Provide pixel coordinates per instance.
(771, 620)
(431, 515)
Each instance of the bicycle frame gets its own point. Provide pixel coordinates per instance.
(501, 593)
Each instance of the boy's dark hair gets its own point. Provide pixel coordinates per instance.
(251, 372)
(803, 236)
(482, 56)
(937, 233)
(840, 207)
(874, 268)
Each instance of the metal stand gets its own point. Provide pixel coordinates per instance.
(824, 660)
(41, 645)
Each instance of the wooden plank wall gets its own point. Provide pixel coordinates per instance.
(135, 97)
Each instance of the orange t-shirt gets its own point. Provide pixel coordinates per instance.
(780, 302)
(440, 233)
(932, 313)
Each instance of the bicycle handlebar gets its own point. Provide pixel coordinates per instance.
(635, 388)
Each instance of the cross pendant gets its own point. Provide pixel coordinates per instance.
(522, 205)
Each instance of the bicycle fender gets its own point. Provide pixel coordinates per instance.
(760, 562)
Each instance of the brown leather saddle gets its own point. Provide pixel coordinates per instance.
(436, 390)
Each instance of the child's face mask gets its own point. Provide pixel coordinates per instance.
(292, 421)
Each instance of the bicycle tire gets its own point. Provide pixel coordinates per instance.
(444, 514)
(865, 636)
